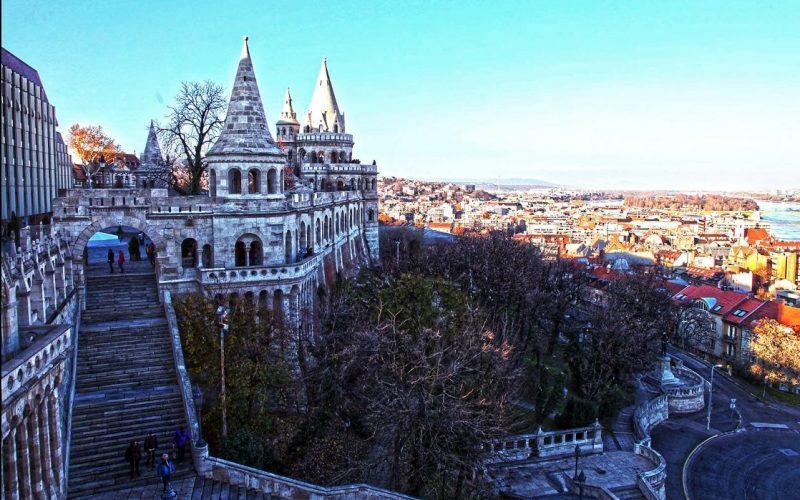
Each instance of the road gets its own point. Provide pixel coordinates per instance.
(676, 438)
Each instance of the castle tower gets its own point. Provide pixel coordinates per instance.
(245, 159)
(153, 171)
(287, 128)
(323, 113)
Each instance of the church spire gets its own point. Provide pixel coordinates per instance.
(287, 114)
(324, 114)
(245, 130)
(152, 151)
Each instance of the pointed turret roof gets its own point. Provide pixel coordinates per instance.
(287, 114)
(245, 130)
(152, 150)
(324, 111)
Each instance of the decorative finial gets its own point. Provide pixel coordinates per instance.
(246, 38)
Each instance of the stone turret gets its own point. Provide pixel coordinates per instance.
(245, 159)
(152, 171)
(287, 128)
(323, 113)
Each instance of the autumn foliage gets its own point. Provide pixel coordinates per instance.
(777, 351)
(90, 143)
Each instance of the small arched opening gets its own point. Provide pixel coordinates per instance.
(340, 185)
(371, 215)
(256, 253)
(234, 181)
(272, 181)
(317, 233)
(189, 252)
(303, 244)
(240, 257)
(208, 256)
(253, 181)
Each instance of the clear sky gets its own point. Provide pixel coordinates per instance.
(625, 94)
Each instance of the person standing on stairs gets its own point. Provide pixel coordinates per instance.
(121, 261)
(180, 440)
(150, 445)
(165, 470)
(133, 454)
(111, 260)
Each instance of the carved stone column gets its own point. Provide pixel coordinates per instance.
(57, 463)
(10, 480)
(50, 489)
(35, 454)
(23, 463)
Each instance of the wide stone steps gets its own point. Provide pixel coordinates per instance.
(211, 489)
(126, 385)
(628, 493)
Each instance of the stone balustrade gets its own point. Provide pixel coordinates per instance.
(343, 168)
(651, 482)
(545, 444)
(326, 137)
(286, 487)
(647, 415)
(213, 276)
(26, 365)
(686, 398)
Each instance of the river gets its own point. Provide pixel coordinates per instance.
(783, 217)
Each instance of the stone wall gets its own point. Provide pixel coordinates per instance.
(649, 414)
(686, 399)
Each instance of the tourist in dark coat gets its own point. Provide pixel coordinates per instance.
(133, 454)
(121, 261)
(111, 260)
(150, 446)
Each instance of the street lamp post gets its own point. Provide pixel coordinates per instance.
(577, 456)
(581, 482)
(222, 324)
(710, 397)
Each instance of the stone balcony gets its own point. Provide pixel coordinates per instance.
(275, 272)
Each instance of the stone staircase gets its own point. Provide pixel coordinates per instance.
(126, 384)
(628, 493)
(210, 489)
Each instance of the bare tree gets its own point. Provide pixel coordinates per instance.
(695, 327)
(193, 123)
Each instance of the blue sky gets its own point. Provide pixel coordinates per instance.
(634, 94)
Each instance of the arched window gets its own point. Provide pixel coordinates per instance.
(289, 156)
(272, 181)
(371, 215)
(304, 243)
(212, 182)
(288, 250)
(341, 157)
(262, 300)
(208, 256)
(189, 252)
(253, 181)
(352, 184)
(340, 185)
(360, 184)
(321, 157)
(313, 157)
(337, 225)
(277, 303)
(256, 255)
(336, 128)
(310, 244)
(326, 228)
(241, 254)
(235, 181)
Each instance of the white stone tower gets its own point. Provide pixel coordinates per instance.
(287, 128)
(245, 161)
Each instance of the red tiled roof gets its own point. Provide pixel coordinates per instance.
(789, 316)
(724, 301)
(673, 288)
(756, 234)
(78, 172)
(769, 310)
(747, 307)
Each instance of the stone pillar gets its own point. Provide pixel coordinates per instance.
(23, 463)
(48, 478)
(56, 461)
(10, 480)
(35, 455)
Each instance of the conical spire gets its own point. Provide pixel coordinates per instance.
(245, 130)
(152, 150)
(324, 112)
(288, 115)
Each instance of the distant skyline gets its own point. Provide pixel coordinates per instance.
(694, 95)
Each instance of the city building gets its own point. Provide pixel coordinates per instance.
(35, 162)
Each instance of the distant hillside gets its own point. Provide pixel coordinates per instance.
(710, 202)
(514, 183)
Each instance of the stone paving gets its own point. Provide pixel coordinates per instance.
(613, 470)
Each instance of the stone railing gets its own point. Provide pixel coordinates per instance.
(545, 444)
(297, 270)
(647, 415)
(686, 398)
(286, 487)
(241, 475)
(324, 137)
(26, 366)
(651, 482)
